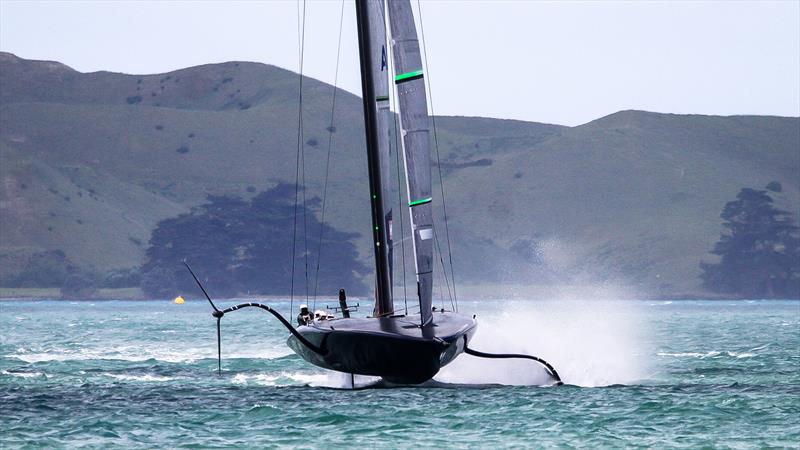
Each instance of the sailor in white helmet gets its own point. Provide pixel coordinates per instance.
(304, 318)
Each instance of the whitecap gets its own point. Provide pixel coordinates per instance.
(332, 379)
(37, 357)
(681, 355)
(260, 379)
(22, 374)
(329, 379)
(710, 354)
(147, 377)
(137, 354)
(265, 380)
(315, 379)
(240, 379)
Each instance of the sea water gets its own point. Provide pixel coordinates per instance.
(638, 374)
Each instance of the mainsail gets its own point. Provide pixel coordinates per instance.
(413, 109)
(375, 92)
(380, 76)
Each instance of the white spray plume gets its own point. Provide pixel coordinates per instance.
(578, 322)
(590, 343)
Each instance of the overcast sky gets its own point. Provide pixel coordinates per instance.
(555, 62)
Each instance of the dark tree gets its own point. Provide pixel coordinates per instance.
(78, 285)
(240, 247)
(43, 269)
(159, 282)
(759, 251)
(774, 186)
(122, 278)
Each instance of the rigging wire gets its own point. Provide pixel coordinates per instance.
(301, 142)
(397, 151)
(328, 160)
(444, 271)
(438, 163)
(305, 214)
(301, 44)
(438, 250)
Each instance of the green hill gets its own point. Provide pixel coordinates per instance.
(91, 162)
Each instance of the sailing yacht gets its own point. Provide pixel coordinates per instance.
(400, 348)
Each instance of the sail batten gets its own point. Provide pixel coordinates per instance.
(420, 202)
(408, 76)
(413, 111)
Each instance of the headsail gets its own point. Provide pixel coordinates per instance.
(413, 109)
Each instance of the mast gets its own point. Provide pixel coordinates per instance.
(368, 26)
(380, 73)
(413, 110)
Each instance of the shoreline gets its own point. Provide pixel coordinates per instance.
(125, 294)
(467, 293)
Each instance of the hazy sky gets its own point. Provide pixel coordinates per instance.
(556, 62)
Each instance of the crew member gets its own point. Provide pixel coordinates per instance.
(304, 318)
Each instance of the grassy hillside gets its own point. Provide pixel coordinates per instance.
(91, 162)
(634, 196)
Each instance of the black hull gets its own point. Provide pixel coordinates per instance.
(393, 348)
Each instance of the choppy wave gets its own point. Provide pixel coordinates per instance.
(146, 377)
(710, 354)
(687, 374)
(139, 355)
(321, 378)
(22, 374)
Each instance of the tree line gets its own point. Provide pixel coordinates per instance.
(245, 247)
(236, 246)
(759, 249)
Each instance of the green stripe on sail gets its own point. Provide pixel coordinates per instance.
(408, 76)
(381, 98)
(420, 202)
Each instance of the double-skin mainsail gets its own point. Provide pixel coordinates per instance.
(413, 112)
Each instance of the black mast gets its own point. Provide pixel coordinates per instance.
(383, 288)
